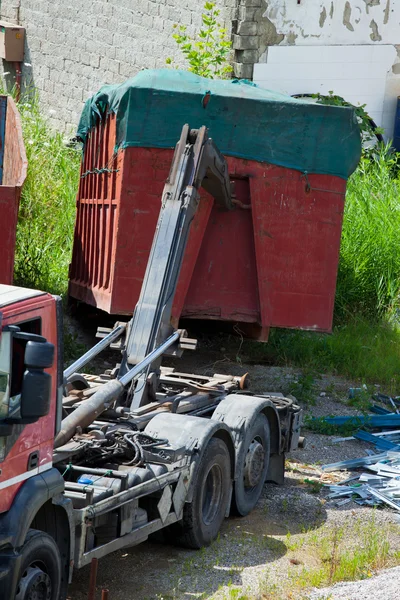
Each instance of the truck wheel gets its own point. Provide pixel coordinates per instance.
(252, 466)
(40, 574)
(203, 517)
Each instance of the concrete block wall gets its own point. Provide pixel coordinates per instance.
(75, 47)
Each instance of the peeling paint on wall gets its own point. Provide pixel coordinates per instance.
(386, 13)
(335, 21)
(396, 66)
(347, 17)
(375, 35)
(369, 3)
(268, 34)
(322, 17)
(291, 38)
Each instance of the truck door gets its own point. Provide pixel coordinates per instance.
(26, 450)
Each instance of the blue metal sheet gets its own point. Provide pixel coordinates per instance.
(380, 410)
(376, 440)
(374, 421)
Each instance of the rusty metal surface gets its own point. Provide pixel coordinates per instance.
(271, 262)
(93, 578)
(14, 173)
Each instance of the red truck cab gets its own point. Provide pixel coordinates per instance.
(28, 419)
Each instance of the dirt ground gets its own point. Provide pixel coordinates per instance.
(255, 554)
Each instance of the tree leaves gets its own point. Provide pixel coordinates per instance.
(208, 52)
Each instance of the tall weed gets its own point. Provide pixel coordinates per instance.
(47, 209)
(369, 268)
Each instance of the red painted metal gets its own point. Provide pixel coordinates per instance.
(14, 173)
(38, 436)
(272, 262)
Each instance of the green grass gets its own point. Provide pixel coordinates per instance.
(47, 209)
(369, 268)
(339, 561)
(321, 557)
(360, 350)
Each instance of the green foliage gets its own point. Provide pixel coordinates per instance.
(369, 267)
(320, 425)
(314, 486)
(362, 399)
(304, 388)
(359, 349)
(47, 208)
(339, 562)
(367, 129)
(73, 348)
(207, 53)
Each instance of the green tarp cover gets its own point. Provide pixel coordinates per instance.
(243, 119)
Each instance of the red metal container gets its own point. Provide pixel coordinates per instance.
(13, 165)
(272, 262)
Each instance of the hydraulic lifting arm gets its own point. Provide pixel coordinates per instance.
(197, 162)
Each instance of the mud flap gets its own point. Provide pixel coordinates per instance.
(276, 469)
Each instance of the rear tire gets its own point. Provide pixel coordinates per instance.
(203, 517)
(252, 467)
(41, 570)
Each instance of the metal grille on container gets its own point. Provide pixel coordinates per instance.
(96, 208)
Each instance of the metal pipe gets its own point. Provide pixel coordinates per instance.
(88, 411)
(125, 496)
(137, 369)
(93, 577)
(91, 408)
(87, 357)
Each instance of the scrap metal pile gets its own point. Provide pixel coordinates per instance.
(379, 483)
(382, 486)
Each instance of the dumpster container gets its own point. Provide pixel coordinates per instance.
(13, 165)
(271, 262)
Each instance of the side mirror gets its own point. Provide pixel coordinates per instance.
(36, 385)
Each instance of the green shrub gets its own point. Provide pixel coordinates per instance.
(208, 52)
(47, 209)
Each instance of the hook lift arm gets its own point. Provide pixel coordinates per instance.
(196, 163)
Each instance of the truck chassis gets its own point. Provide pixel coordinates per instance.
(142, 448)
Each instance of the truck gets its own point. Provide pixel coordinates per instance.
(94, 463)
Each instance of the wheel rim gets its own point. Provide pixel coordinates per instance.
(212, 493)
(253, 464)
(35, 584)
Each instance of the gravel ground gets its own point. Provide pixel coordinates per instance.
(256, 554)
(382, 587)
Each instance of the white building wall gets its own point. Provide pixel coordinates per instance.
(350, 47)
